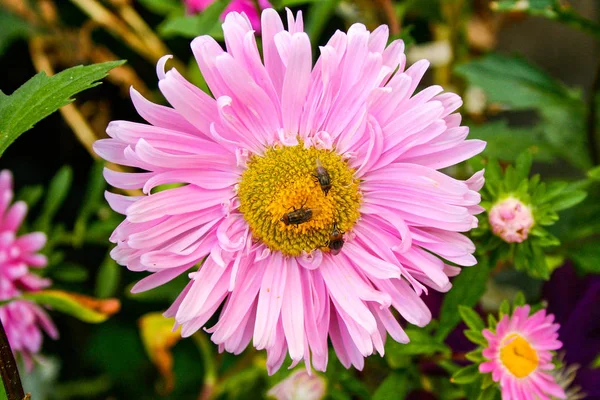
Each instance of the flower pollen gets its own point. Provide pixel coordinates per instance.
(283, 180)
(518, 356)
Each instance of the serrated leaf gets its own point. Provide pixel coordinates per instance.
(466, 375)
(158, 338)
(468, 287)
(85, 308)
(471, 318)
(191, 26)
(43, 95)
(395, 386)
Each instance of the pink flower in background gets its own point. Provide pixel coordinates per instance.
(247, 7)
(290, 258)
(511, 220)
(299, 386)
(520, 355)
(23, 321)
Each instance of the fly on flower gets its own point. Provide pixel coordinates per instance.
(323, 178)
(247, 156)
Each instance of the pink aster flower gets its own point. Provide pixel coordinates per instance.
(300, 385)
(247, 7)
(520, 355)
(22, 320)
(312, 195)
(511, 220)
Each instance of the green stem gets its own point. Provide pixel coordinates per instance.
(12, 388)
(210, 369)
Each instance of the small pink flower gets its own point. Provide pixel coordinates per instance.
(21, 319)
(520, 355)
(289, 264)
(299, 386)
(511, 220)
(247, 7)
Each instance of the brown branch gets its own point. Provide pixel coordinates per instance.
(71, 114)
(392, 17)
(8, 369)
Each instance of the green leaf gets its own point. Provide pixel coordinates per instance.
(468, 287)
(567, 199)
(514, 82)
(318, 17)
(594, 173)
(492, 322)
(108, 278)
(13, 29)
(475, 356)
(476, 337)
(162, 7)
(279, 4)
(421, 343)
(504, 308)
(70, 273)
(471, 318)
(43, 95)
(191, 26)
(395, 386)
(505, 142)
(586, 258)
(93, 199)
(491, 393)
(79, 306)
(466, 375)
(31, 195)
(57, 192)
(519, 300)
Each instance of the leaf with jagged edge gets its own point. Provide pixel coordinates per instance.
(42, 95)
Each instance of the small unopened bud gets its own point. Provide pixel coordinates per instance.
(299, 386)
(511, 220)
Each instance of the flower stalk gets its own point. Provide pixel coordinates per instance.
(8, 370)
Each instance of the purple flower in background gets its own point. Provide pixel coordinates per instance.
(22, 320)
(575, 301)
(247, 7)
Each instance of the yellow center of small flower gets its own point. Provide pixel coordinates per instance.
(283, 181)
(518, 356)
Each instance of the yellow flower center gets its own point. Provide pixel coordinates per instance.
(518, 356)
(283, 181)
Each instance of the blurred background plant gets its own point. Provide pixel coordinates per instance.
(529, 74)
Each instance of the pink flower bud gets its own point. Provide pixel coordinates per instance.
(299, 385)
(511, 220)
